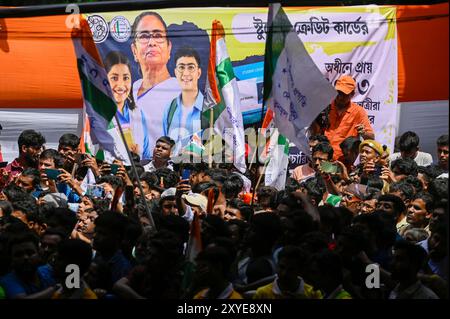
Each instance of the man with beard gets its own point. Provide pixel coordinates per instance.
(68, 148)
(392, 206)
(26, 279)
(30, 147)
(408, 260)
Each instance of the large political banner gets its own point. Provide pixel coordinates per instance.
(149, 61)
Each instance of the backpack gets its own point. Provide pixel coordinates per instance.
(172, 109)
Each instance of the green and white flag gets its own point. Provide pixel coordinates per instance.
(294, 88)
(223, 99)
(102, 130)
(277, 168)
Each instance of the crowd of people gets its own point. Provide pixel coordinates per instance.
(191, 231)
(355, 222)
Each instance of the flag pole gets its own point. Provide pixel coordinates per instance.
(267, 87)
(211, 119)
(141, 191)
(259, 181)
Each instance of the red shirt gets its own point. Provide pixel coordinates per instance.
(343, 126)
(14, 168)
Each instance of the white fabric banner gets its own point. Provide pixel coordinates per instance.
(52, 123)
(360, 41)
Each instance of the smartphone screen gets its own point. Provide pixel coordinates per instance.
(114, 168)
(52, 173)
(96, 191)
(328, 167)
(378, 170)
(185, 173)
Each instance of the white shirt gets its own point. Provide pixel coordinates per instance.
(153, 103)
(422, 158)
(150, 167)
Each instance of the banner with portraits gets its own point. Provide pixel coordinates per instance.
(141, 49)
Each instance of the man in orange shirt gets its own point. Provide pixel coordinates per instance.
(345, 118)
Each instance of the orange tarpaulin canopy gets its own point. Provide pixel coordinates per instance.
(38, 65)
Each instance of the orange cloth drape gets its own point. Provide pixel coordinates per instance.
(38, 66)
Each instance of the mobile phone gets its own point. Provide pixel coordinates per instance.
(328, 167)
(378, 170)
(114, 168)
(96, 191)
(185, 173)
(80, 157)
(3, 164)
(52, 173)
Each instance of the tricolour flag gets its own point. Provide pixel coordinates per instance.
(223, 99)
(275, 154)
(99, 104)
(195, 146)
(195, 239)
(276, 170)
(294, 88)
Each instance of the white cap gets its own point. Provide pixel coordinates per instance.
(195, 199)
(170, 192)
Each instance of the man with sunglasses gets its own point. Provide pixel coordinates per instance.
(182, 116)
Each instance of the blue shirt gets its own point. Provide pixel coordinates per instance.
(119, 266)
(124, 119)
(192, 125)
(14, 286)
(72, 196)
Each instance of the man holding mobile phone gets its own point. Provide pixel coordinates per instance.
(61, 181)
(370, 152)
(68, 148)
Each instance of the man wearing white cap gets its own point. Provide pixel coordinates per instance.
(197, 202)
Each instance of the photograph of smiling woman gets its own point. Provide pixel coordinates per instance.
(151, 49)
(118, 68)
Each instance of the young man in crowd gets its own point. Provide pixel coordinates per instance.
(63, 182)
(409, 148)
(212, 268)
(442, 151)
(161, 155)
(68, 148)
(72, 252)
(29, 180)
(305, 171)
(288, 283)
(109, 233)
(30, 145)
(27, 280)
(408, 260)
(345, 118)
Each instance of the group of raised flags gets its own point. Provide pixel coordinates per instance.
(295, 92)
